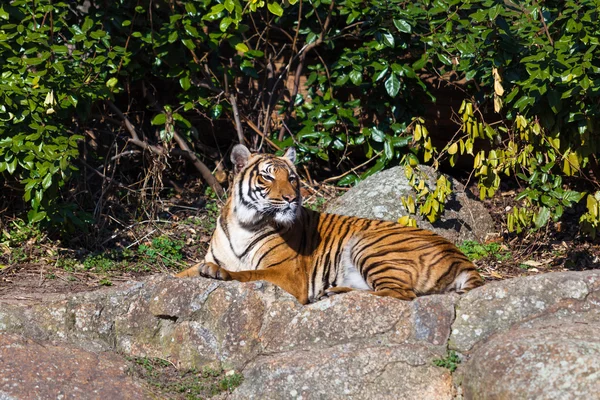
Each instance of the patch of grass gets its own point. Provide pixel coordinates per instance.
(20, 233)
(67, 264)
(476, 251)
(230, 382)
(450, 362)
(162, 248)
(105, 282)
(183, 384)
(318, 204)
(100, 263)
(20, 242)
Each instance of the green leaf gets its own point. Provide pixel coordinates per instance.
(377, 135)
(542, 217)
(402, 26)
(388, 39)
(11, 166)
(444, 59)
(348, 180)
(3, 14)
(241, 47)
(87, 24)
(392, 85)
(189, 43)
(34, 216)
(275, 8)
(225, 22)
(216, 110)
(420, 63)
(111, 83)
(388, 150)
(554, 101)
(356, 77)
(381, 74)
(185, 82)
(47, 181)
(159, 119)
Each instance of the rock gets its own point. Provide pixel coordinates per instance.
(32, 369)
(245, 326)
(498, 306)
(378, 197)
(355, 371)
(351, 345)
(559, 361)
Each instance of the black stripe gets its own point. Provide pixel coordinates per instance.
(452, 267)
(212, 253)
(266, 253)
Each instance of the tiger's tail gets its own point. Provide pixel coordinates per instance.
(467, 280)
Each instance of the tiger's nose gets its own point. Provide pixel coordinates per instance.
(289, 198)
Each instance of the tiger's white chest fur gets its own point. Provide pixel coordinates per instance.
(231, 247)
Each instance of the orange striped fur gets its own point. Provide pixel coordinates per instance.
(264, 233)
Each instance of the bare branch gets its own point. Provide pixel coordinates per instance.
(185, 150)
(300, 66)
(135, 139)
(236, 116)
(200, 166)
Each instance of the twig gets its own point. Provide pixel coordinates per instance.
(200, 166)
(135, 139)
(125, 153)
(335, 178)
(108, 179)
(300, 66)
(185, 150)
(545, 27)
(236, 117)
(255, 129)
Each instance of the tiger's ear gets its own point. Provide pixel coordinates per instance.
(239, 157)
(290, 154)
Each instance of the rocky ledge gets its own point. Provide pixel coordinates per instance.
(533, 337)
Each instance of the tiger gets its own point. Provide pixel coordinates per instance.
(264, 233)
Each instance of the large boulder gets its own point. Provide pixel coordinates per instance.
(258, 329)
(555, 361)
(503, 305)
(539, 329)
(379, 197)
(30, 369)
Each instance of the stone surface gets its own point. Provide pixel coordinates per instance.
(352, 345)
(559, 361)
(352, 371)
(498, 306)
(378, 197)
(32, 369)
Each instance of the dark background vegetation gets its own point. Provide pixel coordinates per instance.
(116, 117)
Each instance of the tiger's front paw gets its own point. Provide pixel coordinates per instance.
(213, 271)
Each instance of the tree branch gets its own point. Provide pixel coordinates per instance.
(236, 117)
(185, 150)
(200, 166)
(300, 66)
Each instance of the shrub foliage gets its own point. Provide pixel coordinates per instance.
(348, 82)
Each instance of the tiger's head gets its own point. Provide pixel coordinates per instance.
(266, 187)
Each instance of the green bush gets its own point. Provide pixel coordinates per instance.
(55, 64)
(204, 73)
